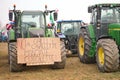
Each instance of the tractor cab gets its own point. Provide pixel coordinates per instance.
(69, 27)
(31, 23)
(104, 18)
(34, 23)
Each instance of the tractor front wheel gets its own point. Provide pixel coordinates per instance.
(107, 55)
(84, 45)
(14, 66)
(61, 65)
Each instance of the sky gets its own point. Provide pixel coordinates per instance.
(67, 9)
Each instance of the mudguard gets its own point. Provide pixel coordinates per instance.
(60, 35)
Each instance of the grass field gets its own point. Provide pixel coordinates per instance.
(74, 70)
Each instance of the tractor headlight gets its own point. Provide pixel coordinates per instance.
(98, 23)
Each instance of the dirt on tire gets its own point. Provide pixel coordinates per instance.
(14, 67)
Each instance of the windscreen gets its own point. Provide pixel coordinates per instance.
(69, 28)
(110, 15)
(33, 20)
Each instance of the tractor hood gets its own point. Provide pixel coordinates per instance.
(114, 31)
(114, 26)
(36, 32)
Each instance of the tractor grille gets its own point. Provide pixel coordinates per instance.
(72, 42)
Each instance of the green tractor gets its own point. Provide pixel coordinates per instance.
(100, 41)
(32, 26)
(70, 29)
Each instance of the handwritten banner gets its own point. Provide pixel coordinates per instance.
(38, 51)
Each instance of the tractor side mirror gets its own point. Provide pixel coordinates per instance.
(55, 14)
(10, 15)
(89, 9)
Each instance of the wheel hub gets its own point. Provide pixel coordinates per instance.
(81, 46)
(101, 55)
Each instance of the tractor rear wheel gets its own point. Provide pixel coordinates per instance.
(14, 66)
(61, 65)
(8, 54)
(84, 45)
(107, 55)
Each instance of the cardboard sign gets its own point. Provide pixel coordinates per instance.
(38, 51)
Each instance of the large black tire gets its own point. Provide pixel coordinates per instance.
(14, 66)
(84, 45)
(8, 54)
(9, 50)
(107, 55)
(61, 65)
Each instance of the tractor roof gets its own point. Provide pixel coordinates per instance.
(106, 5)
(32, 12)
(69, 21)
